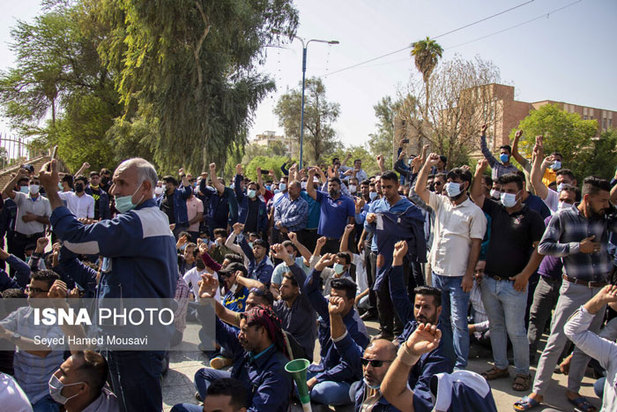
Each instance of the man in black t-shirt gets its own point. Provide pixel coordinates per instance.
(515, 232)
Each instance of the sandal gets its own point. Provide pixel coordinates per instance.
(521, 383)
(495, 373)
(582, 404)
(525, 403)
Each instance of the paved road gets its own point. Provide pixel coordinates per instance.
(178, 383)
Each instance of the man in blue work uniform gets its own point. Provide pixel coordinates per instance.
(139, 262)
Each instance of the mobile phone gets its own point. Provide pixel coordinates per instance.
(265, 172)
(53, 156)
(405, 141)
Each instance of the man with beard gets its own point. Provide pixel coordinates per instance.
(259, 360)
(426, 309)
(458, 231)
(579, 236)
(336, 211)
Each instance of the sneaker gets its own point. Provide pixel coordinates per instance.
(220, 362)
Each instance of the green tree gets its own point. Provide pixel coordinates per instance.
(319, 115)
(193, 64)
(59, 92)
(382, 140)
(563, 132)
(426, 54)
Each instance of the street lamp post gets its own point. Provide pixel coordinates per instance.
(304, 47)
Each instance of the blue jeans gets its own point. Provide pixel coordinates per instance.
(330, 392)
(134, 374)
(453, 318)
(598, 387)
(505, 308)
(205, 376)
(46, 404)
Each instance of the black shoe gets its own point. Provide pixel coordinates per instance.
(368, 315)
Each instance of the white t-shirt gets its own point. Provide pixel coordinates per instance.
(80, 206)
(192, 278)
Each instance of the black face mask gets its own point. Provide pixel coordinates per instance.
(79, 187)
(104, 180)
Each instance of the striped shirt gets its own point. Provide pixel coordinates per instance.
(33, 372)
(293, 214)
(562, 238)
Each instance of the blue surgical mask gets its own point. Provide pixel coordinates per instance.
(453, 189)
(508, 199)
(371, 386)
(24, 189)
(251, 193)
(372, 195)
(60, 186)
(276, 191)
(338, 268)
(560, 187)
(504, 158)
(282, 187)
(556, 165)
(125, 203)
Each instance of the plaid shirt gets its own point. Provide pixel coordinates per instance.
(562, 238)
(293, 214)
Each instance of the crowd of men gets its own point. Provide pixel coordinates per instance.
(441, 258)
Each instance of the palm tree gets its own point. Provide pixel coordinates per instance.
(426, 54)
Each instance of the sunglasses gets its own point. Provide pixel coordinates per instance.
(375, 363)
(35, 290)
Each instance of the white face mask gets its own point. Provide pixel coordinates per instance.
(34, 189)
(158, 190)
(453, 189)
(55, 389)
(303, 185)
(564, 205)
(352, 188)
(508, 199)
(495, 194)
(372, 195)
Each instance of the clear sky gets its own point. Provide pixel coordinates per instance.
(566, 55)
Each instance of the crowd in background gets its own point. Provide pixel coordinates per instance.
(441, 258)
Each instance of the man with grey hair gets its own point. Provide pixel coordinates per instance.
(139, 261)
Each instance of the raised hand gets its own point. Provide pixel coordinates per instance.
(484, 127)
(400, 250)
(325, 261)
(336, 305)
(481, 166)
(424, 339)
(433, 159)
(57, 290)
(349, 228)
(293, 237)
(238, 228)
(239, 169)
(322, 241)
(208, 286)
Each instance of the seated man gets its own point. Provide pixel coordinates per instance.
(330, 380)
(258, 356)
(224, 395)
(34, 363)
(603, 350)
(426, 309)
(378, 357)
(79, 384)
(449, 392)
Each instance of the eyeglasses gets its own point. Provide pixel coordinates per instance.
(375, 363)
(35, 290)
